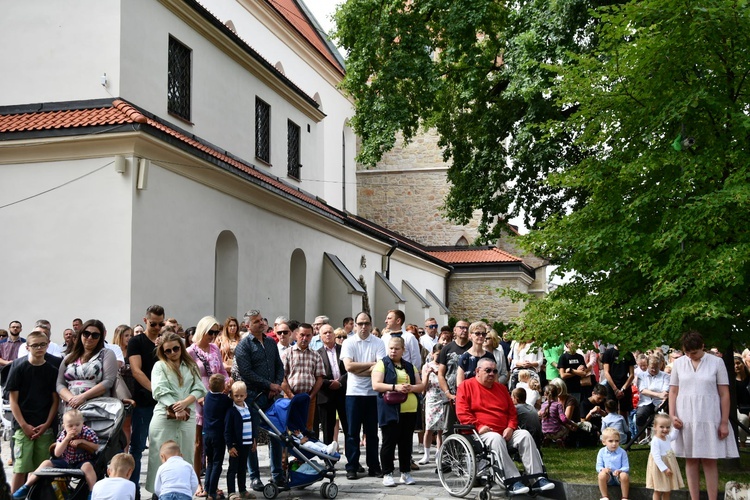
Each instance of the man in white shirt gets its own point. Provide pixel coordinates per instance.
(430, 337)
(284, 333)
(653, 386)
(359, 353)
(394, 324)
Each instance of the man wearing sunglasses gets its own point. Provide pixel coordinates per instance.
(430, 338)
(486, 404)
(142, 358)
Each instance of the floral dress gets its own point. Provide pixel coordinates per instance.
(435, 402)
(208, 363)
(78, 377)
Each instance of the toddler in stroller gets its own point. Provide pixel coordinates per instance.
(103, 417)
(286, 420)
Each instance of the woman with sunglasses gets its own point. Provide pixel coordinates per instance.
(208, 358)
(467, 363)
(176, 384)
(90, 370)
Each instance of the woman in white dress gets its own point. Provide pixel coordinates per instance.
(699, 407)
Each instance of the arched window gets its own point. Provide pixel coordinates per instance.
(297, 284)
(226, 279)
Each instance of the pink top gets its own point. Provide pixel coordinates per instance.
(208, 363)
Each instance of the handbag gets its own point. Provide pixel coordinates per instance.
(586, 381)
(121, 389)
(394, 397)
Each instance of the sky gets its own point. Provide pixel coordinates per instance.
(322, 10)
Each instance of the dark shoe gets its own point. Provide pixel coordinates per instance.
(543, 485)
(361, 470)
(375, 473)
(351, 475)
(414, 465)
(279, 481)
(256, 485)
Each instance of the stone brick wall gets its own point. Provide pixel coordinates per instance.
(477, 298)
(405, 193)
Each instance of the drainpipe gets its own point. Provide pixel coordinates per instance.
(445, 291)
(394, 246)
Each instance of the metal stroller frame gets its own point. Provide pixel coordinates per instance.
(294, 417)
(105, 417)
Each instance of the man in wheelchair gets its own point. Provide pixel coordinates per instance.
(486, 404)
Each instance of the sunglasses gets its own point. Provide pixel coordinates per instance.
(175, 350)
(94, 335)
(480, 334)
(431, 326)
(341, 337)
(364, 323)
(490, 370)
(3, 336)
(155, 324)
(213, 333)
(283, 332)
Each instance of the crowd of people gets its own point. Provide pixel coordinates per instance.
(192, 392)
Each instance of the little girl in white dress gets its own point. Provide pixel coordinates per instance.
(662, 472)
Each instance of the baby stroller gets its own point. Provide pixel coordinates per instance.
(280, 420)
(104, 416)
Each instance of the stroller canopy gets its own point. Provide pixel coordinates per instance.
(288, 414)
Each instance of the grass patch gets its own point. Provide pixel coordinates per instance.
(579, 466)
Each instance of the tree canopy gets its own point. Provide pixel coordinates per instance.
(476, 71)
(619, 129)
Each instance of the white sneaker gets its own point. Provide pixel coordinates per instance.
(425, 459)
(332, 448)
(407, 479)
(388, 480)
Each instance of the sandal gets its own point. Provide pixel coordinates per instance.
(246, 494)
(201, 492)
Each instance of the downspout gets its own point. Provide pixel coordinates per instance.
(445, 291)
(394, 246)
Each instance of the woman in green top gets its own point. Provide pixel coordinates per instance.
(176, 385)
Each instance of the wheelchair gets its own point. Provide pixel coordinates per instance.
(465, 461)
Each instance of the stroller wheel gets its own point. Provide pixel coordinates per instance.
(42, 490)
(270, 491)
(323, 490)
(331, 490)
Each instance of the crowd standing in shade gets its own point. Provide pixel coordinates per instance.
(194, 394)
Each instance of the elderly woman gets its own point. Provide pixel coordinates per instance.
(90, 370)
(176, 386)
(468, 361)
(492, 344)
(526, 356)
(209, 360)
(394, 375)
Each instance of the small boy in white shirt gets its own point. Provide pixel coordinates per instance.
(175, 479)
(118, 485)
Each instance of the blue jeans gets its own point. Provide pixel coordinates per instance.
(274, 452)
(140, 422)
(362, 413)
(174, 496)
(213, 447)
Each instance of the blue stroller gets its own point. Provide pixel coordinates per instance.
(284, 417)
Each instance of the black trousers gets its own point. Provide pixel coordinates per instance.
(327, 412)
(399, 434)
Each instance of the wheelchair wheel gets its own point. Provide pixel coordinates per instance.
(456, 465)
(42, 490)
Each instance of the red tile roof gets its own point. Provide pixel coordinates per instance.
(299, 20)
(121, 112)
(474, 256)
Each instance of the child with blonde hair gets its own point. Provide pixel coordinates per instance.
(175, 479)
(118, 485)
(612, 464)
(238, 435)
(663, 471)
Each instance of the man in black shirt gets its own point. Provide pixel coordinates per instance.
(448, 368)
(572, 368)
(619, 371)
(142, 358)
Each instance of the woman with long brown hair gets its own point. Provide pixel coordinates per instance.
(228, 341)
(176, 386)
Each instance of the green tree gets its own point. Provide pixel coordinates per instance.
(662, 242)
(476, 71)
